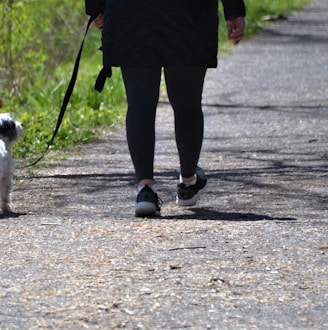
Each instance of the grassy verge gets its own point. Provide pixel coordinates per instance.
(89, 112)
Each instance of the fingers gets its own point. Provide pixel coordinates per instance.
(99, 22)
(236, 29)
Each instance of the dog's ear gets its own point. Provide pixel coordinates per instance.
(8, 129)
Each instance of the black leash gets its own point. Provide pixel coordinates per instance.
(67, 96)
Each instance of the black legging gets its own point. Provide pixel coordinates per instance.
(184, 89)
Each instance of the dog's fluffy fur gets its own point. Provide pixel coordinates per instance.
(10, 130)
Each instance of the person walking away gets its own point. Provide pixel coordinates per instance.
(142, 37)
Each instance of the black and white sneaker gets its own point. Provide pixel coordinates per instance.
(189, 195)
(148, 203)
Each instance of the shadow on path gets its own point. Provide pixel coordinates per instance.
(211, 214)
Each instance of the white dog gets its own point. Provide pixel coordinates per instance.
(10, 130)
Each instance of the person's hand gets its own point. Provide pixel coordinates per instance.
(236, 27)
(99, 22)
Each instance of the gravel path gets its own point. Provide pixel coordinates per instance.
(251, 255)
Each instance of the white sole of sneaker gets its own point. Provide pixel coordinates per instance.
(190, 202)
(145, 209)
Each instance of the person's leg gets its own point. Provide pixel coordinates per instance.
(142, 91)
(184, 88)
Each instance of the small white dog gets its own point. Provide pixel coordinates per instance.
(10, 130)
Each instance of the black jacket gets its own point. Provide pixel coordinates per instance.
(161, 32)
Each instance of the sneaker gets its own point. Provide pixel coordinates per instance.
(148, 203)
(189, 195)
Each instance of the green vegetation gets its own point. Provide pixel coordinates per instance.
(41, 42)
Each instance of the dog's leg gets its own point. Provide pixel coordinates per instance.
(6, 186)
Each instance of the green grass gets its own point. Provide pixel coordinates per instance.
(88, 112)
